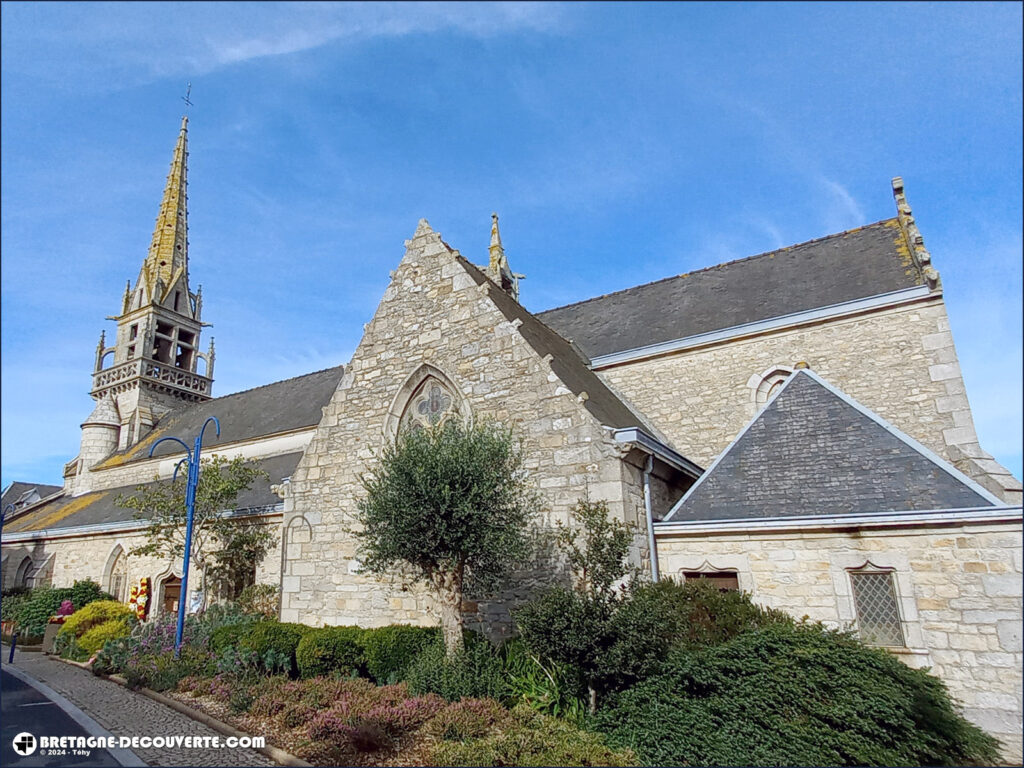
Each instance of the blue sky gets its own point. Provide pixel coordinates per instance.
(620, 143)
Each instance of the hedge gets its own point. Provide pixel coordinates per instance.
(94, 614)
(331, 649)
(391, 650)
(273, 635)
(792, 695)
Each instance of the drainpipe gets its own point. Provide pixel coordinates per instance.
(651, 544)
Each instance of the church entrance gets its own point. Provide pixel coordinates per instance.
(170, 594)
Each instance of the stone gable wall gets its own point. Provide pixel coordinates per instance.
(960, 598)
(900, 362)
(433, 312)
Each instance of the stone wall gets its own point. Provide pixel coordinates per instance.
(900, 362)
(960, 598)
(91, 557)
(434, 313)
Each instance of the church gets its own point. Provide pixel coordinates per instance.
(793, 424)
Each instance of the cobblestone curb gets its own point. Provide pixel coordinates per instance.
(274, 753)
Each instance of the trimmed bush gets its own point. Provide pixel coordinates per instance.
(94, 638)
(280, 637)
(389, 651)
(329, 650)
(533, 739)
(785, 695)
(94, 614)
(476, 672)
(227, 636)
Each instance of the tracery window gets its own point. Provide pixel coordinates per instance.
(431, 404)
(24, 573)
(876, 605)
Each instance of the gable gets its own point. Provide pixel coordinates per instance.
(814, 451)
(856, 264)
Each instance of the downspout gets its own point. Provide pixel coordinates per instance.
(651, 543)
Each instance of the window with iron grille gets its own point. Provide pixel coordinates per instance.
(878, 614)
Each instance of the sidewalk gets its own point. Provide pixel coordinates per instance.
(126, 713)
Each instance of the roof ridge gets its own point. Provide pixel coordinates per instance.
(723, 264)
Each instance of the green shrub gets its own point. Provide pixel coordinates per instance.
(476, 672)
(279, 637)
(792, 695)
(85, 592)
(533, 739)
(94, 638)
(651, 618)
(227, 636)
(389, 651)
(94, 614)
(329, 650)
(12, 601)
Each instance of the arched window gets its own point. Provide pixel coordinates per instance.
(24, 573)
(426, 399)
(118, 583)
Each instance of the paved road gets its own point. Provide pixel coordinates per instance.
(26, 710)
(126, 713)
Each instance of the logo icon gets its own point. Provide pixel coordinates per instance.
(24, 744)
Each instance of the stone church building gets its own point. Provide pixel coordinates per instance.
(793, 424)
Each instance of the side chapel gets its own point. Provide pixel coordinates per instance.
(793, 424)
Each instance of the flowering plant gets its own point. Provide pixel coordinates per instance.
(65, 610)
(139, 600)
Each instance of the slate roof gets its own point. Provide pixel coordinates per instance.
(99, 507)
(814, 451)
(851, 265)
(267, 410)
(604, 404)
(16, 491)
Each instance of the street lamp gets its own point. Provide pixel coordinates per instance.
(192, 460)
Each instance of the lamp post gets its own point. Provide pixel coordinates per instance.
(192, 460)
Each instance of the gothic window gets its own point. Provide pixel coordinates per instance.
(21, 578)
(431, 404)
(119, 577)
(876, 606)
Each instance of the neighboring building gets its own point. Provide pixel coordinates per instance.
(857, 493)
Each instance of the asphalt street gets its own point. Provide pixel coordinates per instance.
(26, 710)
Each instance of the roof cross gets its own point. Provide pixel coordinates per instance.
(188, 91)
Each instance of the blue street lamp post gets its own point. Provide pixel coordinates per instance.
(192, 459)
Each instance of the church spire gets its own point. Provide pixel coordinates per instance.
(167, 261)
(498, 269)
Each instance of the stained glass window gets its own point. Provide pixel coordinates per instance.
(878, 615)
(431, 404)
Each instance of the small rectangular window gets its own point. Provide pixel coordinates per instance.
(878, 614)
(724, 580)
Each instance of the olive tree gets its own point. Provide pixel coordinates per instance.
(448, 506)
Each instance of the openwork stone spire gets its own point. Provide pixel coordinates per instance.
(498, 269)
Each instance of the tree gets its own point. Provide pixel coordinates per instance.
(224, 548)
(450, 506)
(575, 627)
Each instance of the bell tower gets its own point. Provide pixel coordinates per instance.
(156, 355)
